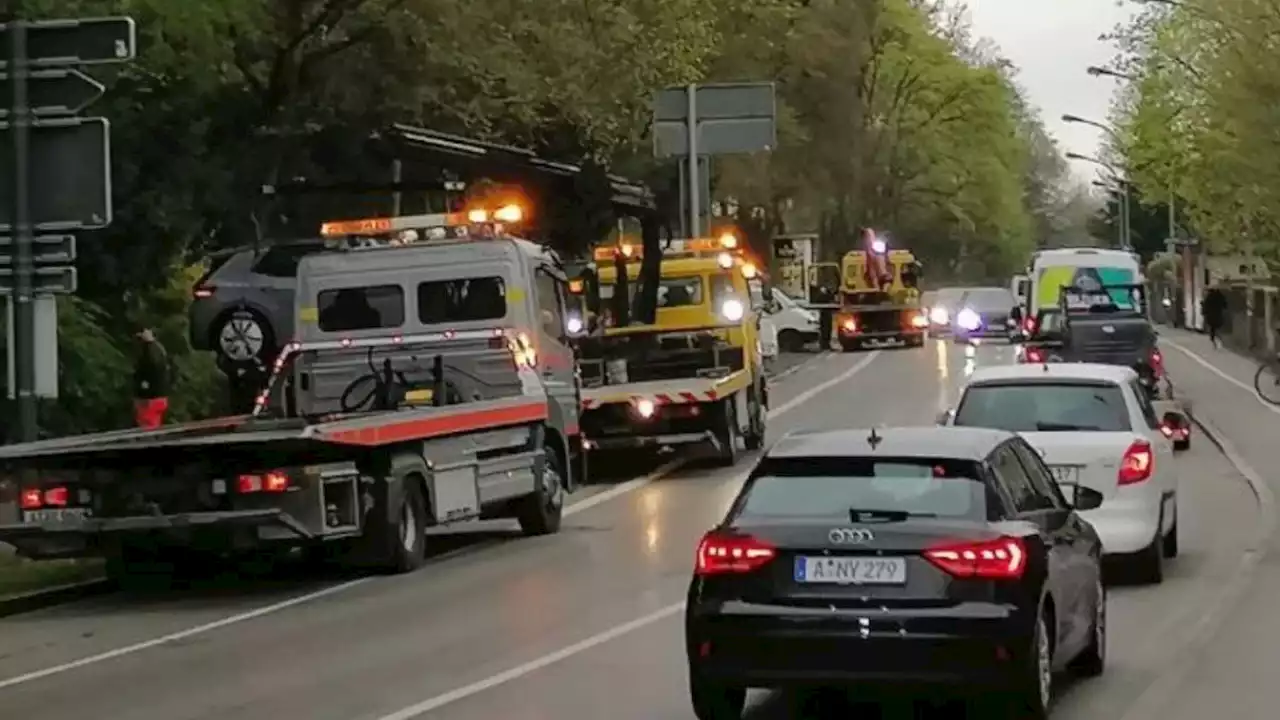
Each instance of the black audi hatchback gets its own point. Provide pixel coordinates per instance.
(921, 556)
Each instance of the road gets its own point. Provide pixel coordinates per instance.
(584, 624)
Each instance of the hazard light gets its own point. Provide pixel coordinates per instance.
(577, 287)
(370, 226)
(509, 214)
(725, 260)
(749, 271)
(729, 241)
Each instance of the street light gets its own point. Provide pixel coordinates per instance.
(1123, 183)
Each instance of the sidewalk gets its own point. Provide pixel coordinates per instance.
(1233, 675)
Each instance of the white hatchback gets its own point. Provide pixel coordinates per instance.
(1095, 428)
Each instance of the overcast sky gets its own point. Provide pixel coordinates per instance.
(1052, 42)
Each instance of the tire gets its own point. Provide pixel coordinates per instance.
(850, 345)
(1266, 381)
(541, 512)
(1031, 692)
(1149, 563)
(727, 434)
(716, 701)
(131, 568)
(1181, 445)
(754, 438)
(1170, 542)
(1092, 661)
(790, 341)
(241, 336)
(401, 542)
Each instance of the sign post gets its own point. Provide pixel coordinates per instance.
(55, 170)
(699, 121)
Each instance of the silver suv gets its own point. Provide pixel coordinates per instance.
(243, 307)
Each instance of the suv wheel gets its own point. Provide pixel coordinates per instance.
(243, 336)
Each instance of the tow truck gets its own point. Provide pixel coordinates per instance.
(694, 377)
(431, 382)
(879, 298)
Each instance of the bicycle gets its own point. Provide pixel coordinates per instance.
(1266, 381)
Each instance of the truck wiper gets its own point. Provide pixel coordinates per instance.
(865, 514)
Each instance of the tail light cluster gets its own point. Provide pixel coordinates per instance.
(1157, 363)
(1029, 326)
(848, 325)
(1035, 355)
(1137, 464)
(1001, 559)
(275, 481)
(52, 497)
(203, 291)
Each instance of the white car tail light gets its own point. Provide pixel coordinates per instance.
(1137, 464)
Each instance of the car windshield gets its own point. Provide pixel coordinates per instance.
(946, 297)
(989, 300)
(832, 487)
(1045, 407)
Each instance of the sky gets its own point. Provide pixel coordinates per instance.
(1052, 42)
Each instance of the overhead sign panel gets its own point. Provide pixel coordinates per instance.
(70, 174)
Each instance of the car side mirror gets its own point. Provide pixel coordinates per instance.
(1086, 498)
(946, 416)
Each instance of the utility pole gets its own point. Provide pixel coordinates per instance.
(24, 320)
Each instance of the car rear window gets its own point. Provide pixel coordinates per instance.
(375, 307)
(445, 302)
(992, 300)
(1045, 407)
(832, 487)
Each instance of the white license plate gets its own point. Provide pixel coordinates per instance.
(54, 515)
(1066, 474)
(851, 570)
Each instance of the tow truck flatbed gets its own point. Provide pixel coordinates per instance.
(667, 392)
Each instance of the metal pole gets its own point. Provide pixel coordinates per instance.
(1125, 242)
(695, 212)
(397, 197)
(24, 308)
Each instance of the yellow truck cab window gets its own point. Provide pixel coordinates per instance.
(447, 302)
(672, 292)
(379, 307)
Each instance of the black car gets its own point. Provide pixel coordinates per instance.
(983, 313)
(936, 556)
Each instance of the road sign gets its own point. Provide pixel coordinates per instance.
(47, 281)
(730, 117)
(48, 250)
(70, 174)
(55, 92)
(91, 41)
(44, 346)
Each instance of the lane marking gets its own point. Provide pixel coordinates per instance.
(571, 509)
(1196, 358)
(803, 365)
(1153, 701)
(564, 653)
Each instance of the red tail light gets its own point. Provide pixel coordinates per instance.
(276, 481)
(1157, 363)
(1029, 325)
(204, 291)
(721, 554)
(1137, 464)
(1035, 355)
(1001, 559)
(56, 497)
(31, 499)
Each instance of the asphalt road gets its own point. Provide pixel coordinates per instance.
(584, 624)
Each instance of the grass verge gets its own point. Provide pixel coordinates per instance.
(19, 576)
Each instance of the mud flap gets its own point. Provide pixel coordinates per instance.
(743, 409)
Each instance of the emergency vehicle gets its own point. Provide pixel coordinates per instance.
(879, 297)
(693, 378)
(431, 381)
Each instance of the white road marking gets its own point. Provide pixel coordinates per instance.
(1195, 357)
(571, 509)
(616, 631)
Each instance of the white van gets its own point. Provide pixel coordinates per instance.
(1052, 270)
(792, 325)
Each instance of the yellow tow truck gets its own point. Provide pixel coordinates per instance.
(879, 297)
(695, 377)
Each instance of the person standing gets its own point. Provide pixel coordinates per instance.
(1214, 310)
(150, 381)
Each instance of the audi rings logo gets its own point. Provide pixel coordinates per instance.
(850, 536)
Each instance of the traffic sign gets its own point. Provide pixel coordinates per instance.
(70, 174)
(48, 250)
(91, 41)
(55, 92)
(46, 281)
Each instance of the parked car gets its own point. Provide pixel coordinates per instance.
(243, 306)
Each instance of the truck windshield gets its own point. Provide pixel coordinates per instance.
(672, 292)
(1045, 407)
(446, 302)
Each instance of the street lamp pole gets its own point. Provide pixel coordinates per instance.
(1125, 189)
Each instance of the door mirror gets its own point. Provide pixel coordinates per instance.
(1086, 498)
(946, 416)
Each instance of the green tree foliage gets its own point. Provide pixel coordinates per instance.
(889, 115)
(1199, 118)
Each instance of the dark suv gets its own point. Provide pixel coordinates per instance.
(243, 307)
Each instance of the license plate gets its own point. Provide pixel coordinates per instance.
(54, 515)
(1066, 474)
(851, 570)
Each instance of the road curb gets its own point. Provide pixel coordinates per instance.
(49, 597)
(1154, 700)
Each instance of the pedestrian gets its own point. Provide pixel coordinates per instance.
(1214, 310)
(150, 381)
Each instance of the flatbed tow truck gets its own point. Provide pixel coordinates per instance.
(693, 378)
(879, 296)
(385, 416)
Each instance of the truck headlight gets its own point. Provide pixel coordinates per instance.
(939, 316)
(968, 320)
(732, 310)
(573, 324)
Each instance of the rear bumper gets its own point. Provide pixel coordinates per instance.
(978, 644)
(632, 442)
(1129, 521)
(77, 538)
